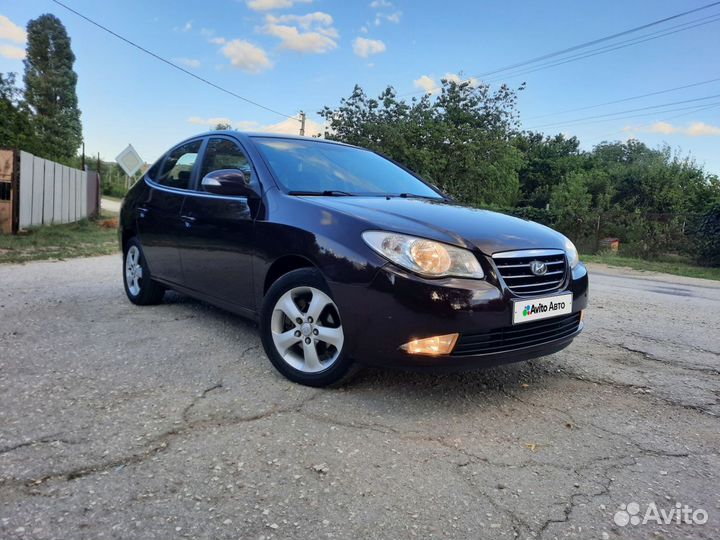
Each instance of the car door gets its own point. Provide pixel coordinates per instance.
(160, 226)
(216, 251)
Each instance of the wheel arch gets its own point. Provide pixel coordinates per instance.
(282, 265)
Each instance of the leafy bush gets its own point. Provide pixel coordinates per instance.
(707, 237)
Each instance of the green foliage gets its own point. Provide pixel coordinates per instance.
(84, 238)
(572, 202)
(707, 236)
(221, 126)
(16, 127)
(459, 141)
(547, 161)
(50, 88)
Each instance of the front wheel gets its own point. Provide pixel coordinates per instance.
(302, 332)
(139, 286)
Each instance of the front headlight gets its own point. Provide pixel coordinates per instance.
(425, 257)
(572, 253)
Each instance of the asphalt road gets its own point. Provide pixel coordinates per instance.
(126, 422)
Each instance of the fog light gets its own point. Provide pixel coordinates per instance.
(433, 345)
(582, 315)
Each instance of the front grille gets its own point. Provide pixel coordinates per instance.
(516, 337)
(514, 268)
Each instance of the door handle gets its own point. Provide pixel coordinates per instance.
(188, 220)
(142, 210)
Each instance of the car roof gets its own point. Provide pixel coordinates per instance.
(243, 135)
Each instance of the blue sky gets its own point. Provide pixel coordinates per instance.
(303, 54)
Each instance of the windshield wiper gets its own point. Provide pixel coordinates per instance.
(326, 193)
(416, 196)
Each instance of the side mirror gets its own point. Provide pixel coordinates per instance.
(233, 182)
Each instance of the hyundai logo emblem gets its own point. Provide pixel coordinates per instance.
(538, 268)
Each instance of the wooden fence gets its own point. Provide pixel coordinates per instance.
(38, 192)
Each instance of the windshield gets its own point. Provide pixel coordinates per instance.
(314, 167)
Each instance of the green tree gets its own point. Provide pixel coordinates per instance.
(220, 126)
(50, 87)
(571, 201)
(548, 159)
(16, 128)
(459, 141)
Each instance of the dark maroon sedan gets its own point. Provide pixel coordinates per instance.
(344, 256)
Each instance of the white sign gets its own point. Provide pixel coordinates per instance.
(129, 160)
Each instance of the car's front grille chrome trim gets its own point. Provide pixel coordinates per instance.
(514, 268)
(537, 284)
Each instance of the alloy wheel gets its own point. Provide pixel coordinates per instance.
(306, 329)
(133, 270)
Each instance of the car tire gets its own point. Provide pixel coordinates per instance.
(301, 330)
(139, 285)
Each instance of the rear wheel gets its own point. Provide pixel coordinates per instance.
(139, 286)
(302, 330)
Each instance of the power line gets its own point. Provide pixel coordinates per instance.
(608, 116)
(649, 94)
(613, 47)
(581, 45)
(650, 107)
(691, 110)
(172, 64)
(599, 40)
(695, 110)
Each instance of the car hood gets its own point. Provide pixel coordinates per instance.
(489, 232)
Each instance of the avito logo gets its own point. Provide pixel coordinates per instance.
(532, 309)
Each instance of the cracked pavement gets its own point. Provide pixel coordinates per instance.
(168, 421)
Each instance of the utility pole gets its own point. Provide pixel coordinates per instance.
(302, 123)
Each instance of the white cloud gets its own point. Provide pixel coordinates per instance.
(694, 129)
(246, 56)
(314, 32)
(11, 31)
(12, 52)
(380, 16)
(267, 5)
(364, 29)
(364, 47)
(701, 129)
(212, 122)
(318, 19)
(246, 125)
(187, 27)
(192, 63)
(431, 86)
(426, 83)
(286, 127)
(457, 79)
(218, 41)
(292, 127)
(293, 39)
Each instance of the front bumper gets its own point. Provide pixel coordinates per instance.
(398, 307)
